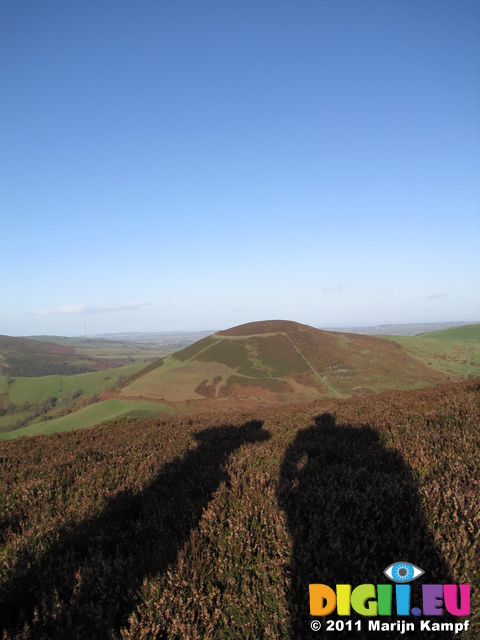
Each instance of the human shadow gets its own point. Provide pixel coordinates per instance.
(353, 509)
(85, 584)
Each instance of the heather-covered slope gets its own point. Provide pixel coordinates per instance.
(279, 361)
(213, 528)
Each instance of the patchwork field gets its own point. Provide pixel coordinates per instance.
(176, 381)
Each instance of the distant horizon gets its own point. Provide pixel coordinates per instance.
(213, 330)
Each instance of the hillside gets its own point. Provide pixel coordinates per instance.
(52, 355)
(28, 357)
(255, 364)
(410, 329)
(48, 379)
(279, 361)
(454, 352)
(470, 332)
(213, 527)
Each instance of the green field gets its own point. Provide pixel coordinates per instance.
(22, 390)
(132, 354)
(92, 415)
(96, 344)
(40, 391)
(9, 420)
(77, 341)
(469, 332)
(455, 351)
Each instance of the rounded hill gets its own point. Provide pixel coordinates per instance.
(277, 361)
(264, 326)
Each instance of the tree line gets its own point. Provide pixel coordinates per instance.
(33, 368)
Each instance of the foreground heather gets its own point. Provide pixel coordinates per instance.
(214, 527)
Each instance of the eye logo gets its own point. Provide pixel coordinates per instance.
(377, 600)
(403, 572)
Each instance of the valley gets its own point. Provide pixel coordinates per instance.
(215, 483)
(258, 364)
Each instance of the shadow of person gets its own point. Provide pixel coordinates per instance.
(353, 509)
(85, 585)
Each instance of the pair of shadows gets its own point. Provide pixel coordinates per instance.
(135, 536)
(353, 509)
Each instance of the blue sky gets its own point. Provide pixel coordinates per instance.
(183, 165)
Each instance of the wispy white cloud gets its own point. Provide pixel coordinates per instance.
(89, 309)
(336, 289)
(436, 296)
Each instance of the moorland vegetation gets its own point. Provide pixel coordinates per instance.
(271, 362)
(213, 526)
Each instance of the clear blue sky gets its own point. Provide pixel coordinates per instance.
(183, 165)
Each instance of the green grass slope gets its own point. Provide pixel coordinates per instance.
(470, 332)
(214, 527)
(26, 389)
(28, 404)
(41, 389)
(92, 415)
(454, 352)
(280, 361)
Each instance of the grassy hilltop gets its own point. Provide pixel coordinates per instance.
(213, 526)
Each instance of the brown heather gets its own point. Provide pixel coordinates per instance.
(213, 527)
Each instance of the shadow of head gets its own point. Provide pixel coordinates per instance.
(235, 436)
(326, 420)
(138, 533)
